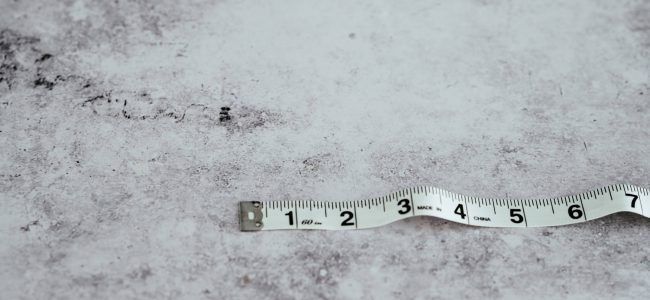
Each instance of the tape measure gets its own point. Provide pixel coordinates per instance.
(435, 202)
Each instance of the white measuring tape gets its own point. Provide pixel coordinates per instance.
(435, 202)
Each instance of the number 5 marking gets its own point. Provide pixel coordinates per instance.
(516, 216)
(634, 198)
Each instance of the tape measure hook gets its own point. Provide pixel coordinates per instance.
(250, 216)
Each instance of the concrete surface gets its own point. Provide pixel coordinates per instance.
(120, 173)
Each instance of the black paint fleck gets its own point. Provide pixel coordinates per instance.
(27, 227)
(224, 114)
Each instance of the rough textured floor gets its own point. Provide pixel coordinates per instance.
(120, 172)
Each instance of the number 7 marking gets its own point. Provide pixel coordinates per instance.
(634, 198)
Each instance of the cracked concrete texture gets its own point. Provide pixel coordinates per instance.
(129, 131)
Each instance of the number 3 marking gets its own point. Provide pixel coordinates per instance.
(404, 203)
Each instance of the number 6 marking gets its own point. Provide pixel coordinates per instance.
(575, 212)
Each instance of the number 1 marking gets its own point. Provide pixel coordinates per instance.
(290, 215)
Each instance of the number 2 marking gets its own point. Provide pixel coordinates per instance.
(347, 222)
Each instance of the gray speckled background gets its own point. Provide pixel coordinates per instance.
(118, 179)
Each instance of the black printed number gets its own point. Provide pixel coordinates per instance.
(515, 215)
(634, 198)
(575, 212)
(460, 211)
(290, 214)
(406, 205)
(348, 221)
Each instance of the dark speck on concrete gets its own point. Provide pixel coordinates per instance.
(42, 81)
(224, 114)
(43, 58)
(27, 227)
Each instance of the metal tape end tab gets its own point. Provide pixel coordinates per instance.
(250, 216)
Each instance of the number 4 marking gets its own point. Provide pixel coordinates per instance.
(459, 211)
